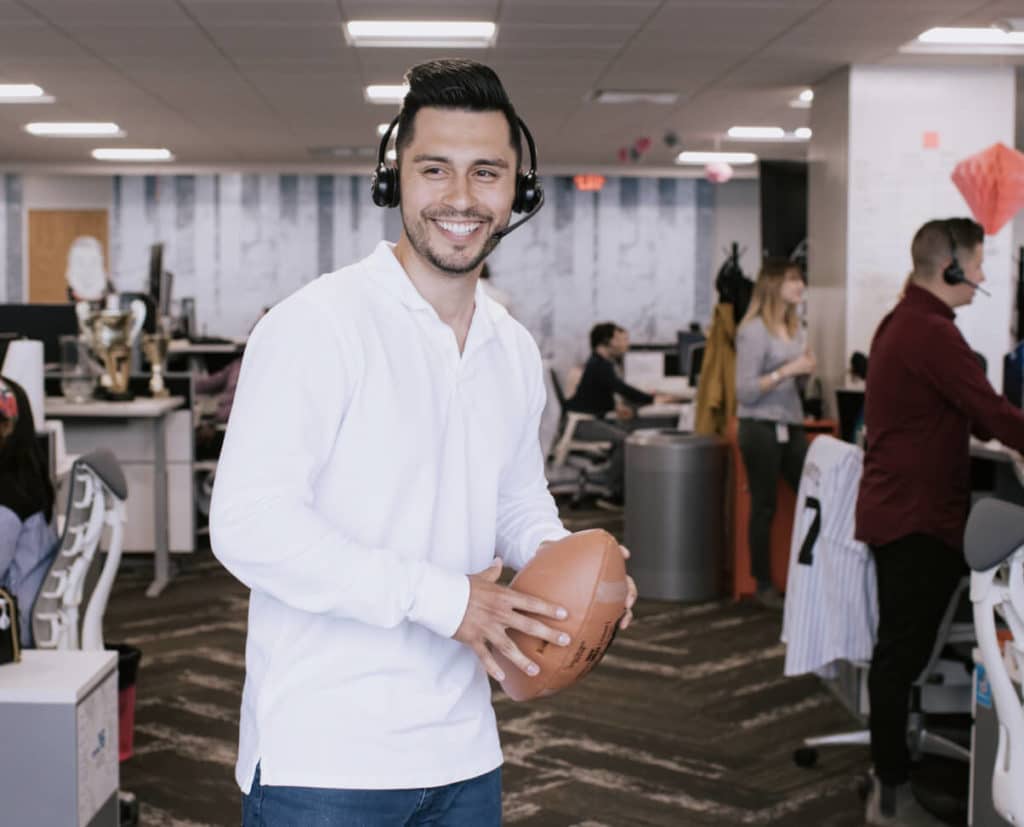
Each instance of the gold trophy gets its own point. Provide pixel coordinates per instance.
(154, 346)
(110, 333)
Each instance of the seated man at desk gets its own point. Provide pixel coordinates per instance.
(596, 395)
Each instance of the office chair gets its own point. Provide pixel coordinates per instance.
(944, 685)
(994, 547)
(96, 500)
(586, 458)
(942, 688)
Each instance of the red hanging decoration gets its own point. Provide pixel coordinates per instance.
(992, 184)
(718, 172)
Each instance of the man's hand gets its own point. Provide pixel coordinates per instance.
(492, 610)
(631, 594)
(624, 412)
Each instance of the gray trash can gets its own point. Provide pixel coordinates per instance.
(675, 513)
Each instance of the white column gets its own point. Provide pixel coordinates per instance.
(872, 187)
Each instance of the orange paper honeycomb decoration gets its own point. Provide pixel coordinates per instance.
(992, 183)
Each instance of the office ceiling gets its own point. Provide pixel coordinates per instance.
(264, 82)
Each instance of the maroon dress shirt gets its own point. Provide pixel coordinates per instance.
(926, 394)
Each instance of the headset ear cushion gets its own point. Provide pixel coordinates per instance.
(954, 274)
(527, 193)
(384, 187)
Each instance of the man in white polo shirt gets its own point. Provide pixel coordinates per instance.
(382, 447)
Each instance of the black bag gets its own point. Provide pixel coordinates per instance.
(10, 646)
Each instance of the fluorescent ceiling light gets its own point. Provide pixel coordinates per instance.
(456, 34)
(716, 157)
(972, 37)
(626, 96)
(807, 95)
(386, 93)
(766, 133)
(74, 130)
(132, 154)
(23, 93)
(757, 133)
(966, 41)
(381, 129)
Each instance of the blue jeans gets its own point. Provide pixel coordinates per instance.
(475, 802)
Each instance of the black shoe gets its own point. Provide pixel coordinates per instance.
(770, 598)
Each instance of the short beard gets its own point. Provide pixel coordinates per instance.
(417, 235)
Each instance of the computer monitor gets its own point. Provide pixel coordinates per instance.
(850, 405)
(46, 322)
(696, 362)
(160, 281)
(687, 340)
(5, 339)
(1013, 375)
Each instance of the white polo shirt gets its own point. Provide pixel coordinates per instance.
(368, 467)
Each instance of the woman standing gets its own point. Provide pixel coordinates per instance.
(27, 540)
(771, 353)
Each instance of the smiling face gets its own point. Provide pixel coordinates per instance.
(457, 184)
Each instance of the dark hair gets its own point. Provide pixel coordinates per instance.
(602, 334)
(454, 83)
(930, 249)
(25, 485)
(859, 365)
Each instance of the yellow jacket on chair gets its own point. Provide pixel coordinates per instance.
(716, 388)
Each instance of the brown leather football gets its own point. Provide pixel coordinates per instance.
(584, 573)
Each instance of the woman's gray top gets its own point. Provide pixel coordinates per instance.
(758, 353)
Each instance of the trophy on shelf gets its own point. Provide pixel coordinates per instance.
(110, 333)
(154, 346)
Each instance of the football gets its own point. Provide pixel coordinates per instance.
(584, 573)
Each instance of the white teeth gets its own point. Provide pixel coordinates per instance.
(458, 229)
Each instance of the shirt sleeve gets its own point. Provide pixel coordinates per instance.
(10, 530)
(264, 525)
(750, 349)
(613, 384)
(953, 369)
(526, 513)
(634, 395)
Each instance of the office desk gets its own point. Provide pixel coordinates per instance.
(1008, 482)
(678, 386)
(196, 352)
(137, 432)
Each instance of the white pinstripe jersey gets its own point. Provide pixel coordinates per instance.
(831, 610)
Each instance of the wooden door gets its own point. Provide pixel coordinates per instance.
(50, 233)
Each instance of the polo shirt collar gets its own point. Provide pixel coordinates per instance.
(918, 297)
(389, 273)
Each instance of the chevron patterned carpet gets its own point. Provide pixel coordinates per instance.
(688, 720)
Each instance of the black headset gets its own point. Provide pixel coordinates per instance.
(954, 273)
(385, 191)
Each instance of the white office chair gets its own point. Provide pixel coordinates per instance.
(994, 547)
(96, 500)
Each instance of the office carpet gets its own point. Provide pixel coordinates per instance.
(688, 721)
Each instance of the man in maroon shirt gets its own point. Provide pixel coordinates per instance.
(926, 394)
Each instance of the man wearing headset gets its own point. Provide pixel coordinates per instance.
(925, 394)
(382, 445)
